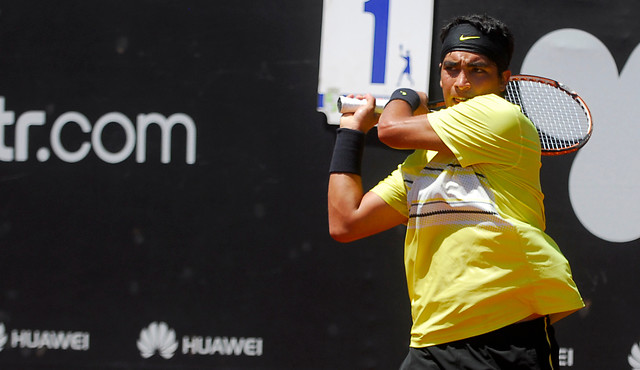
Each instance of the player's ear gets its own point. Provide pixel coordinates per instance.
(504, 79)
(440, 68)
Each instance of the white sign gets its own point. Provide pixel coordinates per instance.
(373, 46)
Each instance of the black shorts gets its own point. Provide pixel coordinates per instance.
(526, 345)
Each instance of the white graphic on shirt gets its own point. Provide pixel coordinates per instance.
(450, 194)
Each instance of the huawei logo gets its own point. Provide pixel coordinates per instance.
(157, 337)
(634, 357)
(3, 337)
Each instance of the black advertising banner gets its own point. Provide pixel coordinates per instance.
(163, 180)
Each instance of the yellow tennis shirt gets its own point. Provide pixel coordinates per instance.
(476, 254)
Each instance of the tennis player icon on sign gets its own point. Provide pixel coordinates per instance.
(406, 73)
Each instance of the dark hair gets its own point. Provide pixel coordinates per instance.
(493, 28)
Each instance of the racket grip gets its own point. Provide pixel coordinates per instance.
(350, 105)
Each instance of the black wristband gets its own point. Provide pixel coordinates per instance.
(408, 95)
(347, 152)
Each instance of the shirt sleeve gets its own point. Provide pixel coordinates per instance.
(485, 129)
(393, 191)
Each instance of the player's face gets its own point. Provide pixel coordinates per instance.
(464, 75)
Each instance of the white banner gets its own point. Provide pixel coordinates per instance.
(373, 46)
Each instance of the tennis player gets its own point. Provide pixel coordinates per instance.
(485, 281)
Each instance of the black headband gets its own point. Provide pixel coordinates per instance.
(465, 37)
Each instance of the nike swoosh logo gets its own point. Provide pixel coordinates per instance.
(465, 38)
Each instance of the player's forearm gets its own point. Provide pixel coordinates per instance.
(402, 132)
(397, 125)
(400, 129)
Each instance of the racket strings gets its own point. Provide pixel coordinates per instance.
(561, 120)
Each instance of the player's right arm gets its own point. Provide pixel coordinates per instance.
(352, 213)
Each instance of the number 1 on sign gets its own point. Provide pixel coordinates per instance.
(380, 11)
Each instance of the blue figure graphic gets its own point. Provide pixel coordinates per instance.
(407, 68)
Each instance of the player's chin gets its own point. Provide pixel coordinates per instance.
(457, 100)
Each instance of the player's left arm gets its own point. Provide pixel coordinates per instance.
(400, 128)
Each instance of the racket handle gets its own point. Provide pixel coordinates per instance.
(350, 105)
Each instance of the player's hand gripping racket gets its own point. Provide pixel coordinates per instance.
(561, 116)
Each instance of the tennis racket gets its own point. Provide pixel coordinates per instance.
(560, 115)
